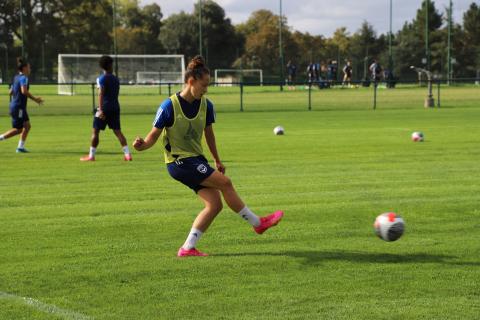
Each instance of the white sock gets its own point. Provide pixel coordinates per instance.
(192, 239)
(92, 152)
(251, 217)
(21, 144)
(2, 137)
(125, 150)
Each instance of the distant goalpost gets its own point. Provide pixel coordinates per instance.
(132, 69)
(225, 77)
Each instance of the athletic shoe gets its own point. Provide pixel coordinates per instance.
(87, 158)
(22, 150)
(190, 253)
(127, 157)
(269, 221)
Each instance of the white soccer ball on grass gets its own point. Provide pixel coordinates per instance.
(417, 136)
(279, 130)
(389, 226)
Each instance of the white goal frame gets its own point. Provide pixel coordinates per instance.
(67, 81)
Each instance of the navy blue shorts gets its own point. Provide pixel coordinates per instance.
(19, 117)
(112, 119)
(190, 171)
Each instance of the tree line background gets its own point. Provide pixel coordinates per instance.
(71, 26)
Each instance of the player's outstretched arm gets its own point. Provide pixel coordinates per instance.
(212, 145)
(143, 144)
(27, 93)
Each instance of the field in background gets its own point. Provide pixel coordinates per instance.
(98, 240)
(146, 99)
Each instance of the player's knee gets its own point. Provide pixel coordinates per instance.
(216, 207)
(226, 183)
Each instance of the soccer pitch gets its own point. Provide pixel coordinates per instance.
(99, 240)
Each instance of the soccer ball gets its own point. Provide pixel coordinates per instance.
(417, 136)
(389, 226)
(278, 130)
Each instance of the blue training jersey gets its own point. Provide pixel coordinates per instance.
(19, 100)
(164, 117)
(111, 88)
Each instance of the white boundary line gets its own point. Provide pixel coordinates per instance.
(44, 307)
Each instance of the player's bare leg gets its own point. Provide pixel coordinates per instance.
(10, 133)
(123, 142)
(93, 146)
(23, 137)
(213, 205)
(221, 182)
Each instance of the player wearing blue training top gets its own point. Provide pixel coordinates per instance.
(108, 112)
(181, 121)
(18, 106)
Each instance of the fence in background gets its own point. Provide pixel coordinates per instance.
(271, 96)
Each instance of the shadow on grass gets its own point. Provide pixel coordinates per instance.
(85, 152)
(315, 257)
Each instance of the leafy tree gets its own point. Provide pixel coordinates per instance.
(139, 28)
(220, 42)
(7, 24)
(471, 41)
(262, 42)
(179, 35)
(364, 47)
(310, 48)
(341, 40)
(410, 48)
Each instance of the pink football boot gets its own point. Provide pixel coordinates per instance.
(269, 221)
(87, 158)
(190, 253)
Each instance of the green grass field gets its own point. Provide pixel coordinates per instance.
(98, 240)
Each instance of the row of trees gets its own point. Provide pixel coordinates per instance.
(87, 26)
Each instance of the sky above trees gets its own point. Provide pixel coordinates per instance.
(320, 17)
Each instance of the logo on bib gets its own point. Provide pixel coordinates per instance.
(202, 168)
(191, 133)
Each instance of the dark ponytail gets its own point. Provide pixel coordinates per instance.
(196, 68)
(21, 63)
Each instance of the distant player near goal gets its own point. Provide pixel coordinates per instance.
(18, 106)
(108, 112)
(183, 119)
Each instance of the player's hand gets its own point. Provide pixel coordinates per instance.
(220, 166)
(39, 100)
(138, 143)
(101, 115)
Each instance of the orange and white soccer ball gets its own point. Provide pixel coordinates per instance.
(417, 136)
(389, 226)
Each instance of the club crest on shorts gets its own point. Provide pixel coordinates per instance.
(202, 168)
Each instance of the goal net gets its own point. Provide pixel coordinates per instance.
(132, 69)
(227, 77)
(156, 77)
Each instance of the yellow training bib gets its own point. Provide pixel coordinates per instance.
(184, 138)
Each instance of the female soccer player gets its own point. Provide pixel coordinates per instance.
(108, 110)
(183, 119)
(18, 106)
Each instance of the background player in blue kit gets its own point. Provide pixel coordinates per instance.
(182, 120)
(18, 106)
(108, 112)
